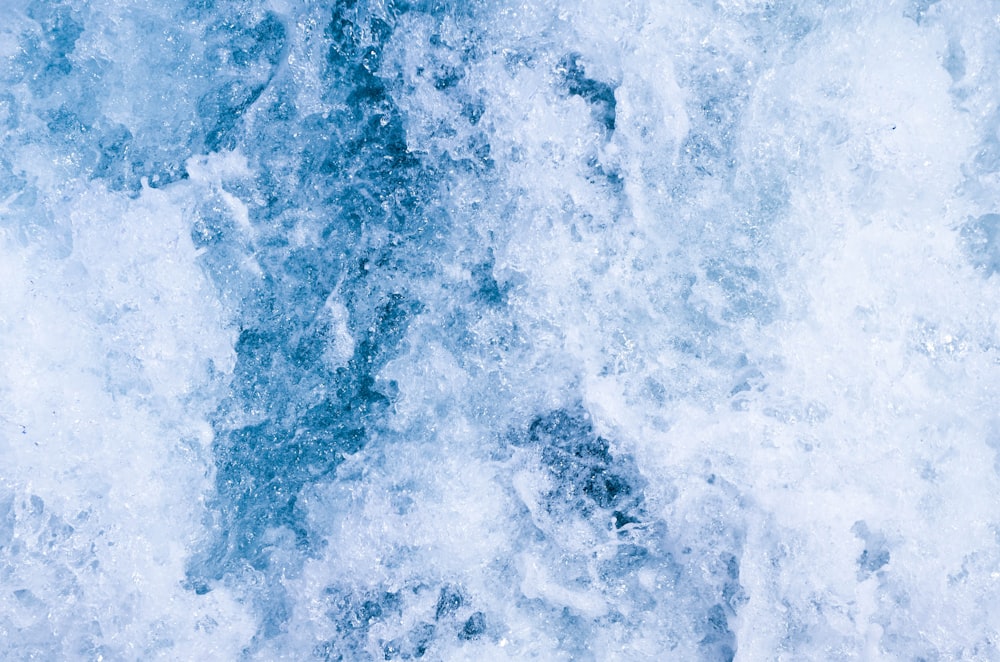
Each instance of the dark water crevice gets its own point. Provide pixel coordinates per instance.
(293, 416)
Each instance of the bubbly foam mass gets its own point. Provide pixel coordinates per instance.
(387, 330)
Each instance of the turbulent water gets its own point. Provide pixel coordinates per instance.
(538, 330)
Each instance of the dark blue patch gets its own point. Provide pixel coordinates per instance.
(221, 109)
(352, 169)
(211, 225)
(598, 94)
(873, 559)
(449, 601)
(954, 60)
(46, 62)
(592, 482)
(115, 164)
(262, 42)
(488, 290)
(586, 473)
(733, 594)
(474, 626)
(719, 642)
(917, 9)
(420, 638)
(354, 615)
(981, 240)
(875, 555)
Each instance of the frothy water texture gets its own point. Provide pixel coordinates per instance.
(544, 330)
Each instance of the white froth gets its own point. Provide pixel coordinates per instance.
(105, 441)
(872, 400)
(784, 329)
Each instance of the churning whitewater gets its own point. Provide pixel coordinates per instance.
(492, 330)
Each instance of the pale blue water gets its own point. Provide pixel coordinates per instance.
(551, 330)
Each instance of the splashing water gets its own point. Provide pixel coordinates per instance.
(388, 330)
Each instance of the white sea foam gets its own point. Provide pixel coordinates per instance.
(702, 360)
(107, 356)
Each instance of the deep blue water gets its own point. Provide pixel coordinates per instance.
(561, 331)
